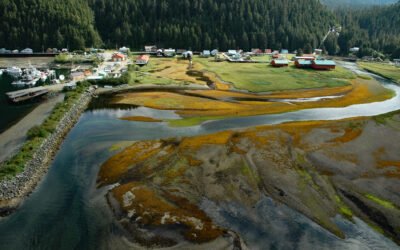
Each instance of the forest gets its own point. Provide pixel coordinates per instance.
(196, 24)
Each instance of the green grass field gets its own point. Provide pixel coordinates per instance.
(382, 69)
(263, 77)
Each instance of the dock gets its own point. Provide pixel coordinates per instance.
(26, 94)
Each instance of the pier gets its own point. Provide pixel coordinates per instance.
(26, 94)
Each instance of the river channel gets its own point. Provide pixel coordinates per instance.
(67, 211)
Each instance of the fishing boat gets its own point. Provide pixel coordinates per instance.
(14, 72)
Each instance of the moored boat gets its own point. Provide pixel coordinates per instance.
(14, 72)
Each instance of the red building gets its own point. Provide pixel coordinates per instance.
(280, 63)
(118, 57)
(323, 64)
(142, 60)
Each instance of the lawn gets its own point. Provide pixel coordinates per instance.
(383, 69)
(263, 77)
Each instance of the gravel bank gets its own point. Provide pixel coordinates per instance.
(12, 192)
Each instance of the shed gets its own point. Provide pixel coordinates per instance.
(142, 60)
(303, 64)
(323, 64)
(280, 62)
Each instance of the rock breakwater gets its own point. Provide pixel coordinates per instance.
(13, 191)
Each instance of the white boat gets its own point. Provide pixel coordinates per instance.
(1, 72)
(25, 82)
(14, 72)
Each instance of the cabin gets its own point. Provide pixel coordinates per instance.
(280, 63)
(142, 60)
(268, 51)
(78, 76)
(150, 48)
(118, 57)
(303, 64)
(323, 64)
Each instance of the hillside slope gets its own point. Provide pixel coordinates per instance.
(40, 24)
(212, 24)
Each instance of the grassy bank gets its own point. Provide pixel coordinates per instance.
(263, 77)
(382, 69)
(254, 77)
(37, 134)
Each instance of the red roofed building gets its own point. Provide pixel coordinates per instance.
(118, 57)
(142, 60)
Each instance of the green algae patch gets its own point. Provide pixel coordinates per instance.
(383, 203)
(344, 210)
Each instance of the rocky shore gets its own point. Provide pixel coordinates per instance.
(12, 192)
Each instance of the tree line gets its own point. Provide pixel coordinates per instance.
(196, 25)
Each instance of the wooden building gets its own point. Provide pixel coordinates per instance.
(142, 60)
(280, 63)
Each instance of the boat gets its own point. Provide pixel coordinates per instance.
(1, 72)
(25, 82)
(14, 72)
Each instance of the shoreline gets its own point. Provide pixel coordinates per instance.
(14, 191)
(14, 136)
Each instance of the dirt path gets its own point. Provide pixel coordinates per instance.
(12, 139)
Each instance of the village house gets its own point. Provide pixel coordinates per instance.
(323, 64)
(118, 57)
(142, 60)
(280, 62)
(150, 48)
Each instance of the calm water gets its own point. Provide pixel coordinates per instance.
(66, 211)
(10, 114)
